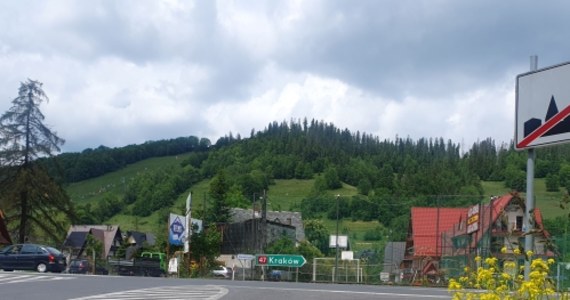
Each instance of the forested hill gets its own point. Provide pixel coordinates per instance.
(387, 173)
(90, 163)
(301, 149)
(390, 175)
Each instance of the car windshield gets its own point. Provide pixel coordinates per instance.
(53, 250)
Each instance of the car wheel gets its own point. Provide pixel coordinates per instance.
(41, 267)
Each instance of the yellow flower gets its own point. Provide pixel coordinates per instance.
(454, 285)
(504, 249)
(478, 258)
(517, 251)
(529, 253)
(550, 261)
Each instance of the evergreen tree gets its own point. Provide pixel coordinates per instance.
(219, 188)
(317, 234)
(32, 198)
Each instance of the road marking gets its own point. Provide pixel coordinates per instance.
(350, 292)
(7, 278)
(185, 292)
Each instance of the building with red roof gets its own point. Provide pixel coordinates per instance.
(437, 236)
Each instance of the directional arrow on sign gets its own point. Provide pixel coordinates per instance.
(280, 260)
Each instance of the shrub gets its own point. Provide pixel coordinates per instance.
(505, 282)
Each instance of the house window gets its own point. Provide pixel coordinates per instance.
(519, 224)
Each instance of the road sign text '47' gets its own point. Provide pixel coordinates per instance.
(280, 260)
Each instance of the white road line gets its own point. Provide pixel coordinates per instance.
(349, 292)
(17, 278)
(186, 292)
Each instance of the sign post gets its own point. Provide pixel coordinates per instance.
(542, 119)
(280, 260)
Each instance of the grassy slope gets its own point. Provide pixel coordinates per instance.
(548, 202)
(94, 189)
(283, 195)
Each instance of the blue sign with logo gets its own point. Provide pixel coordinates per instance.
(176, 230)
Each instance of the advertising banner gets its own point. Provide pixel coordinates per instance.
(177, 226)
(176, 229)
(473, 219)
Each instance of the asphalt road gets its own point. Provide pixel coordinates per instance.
(31, 286)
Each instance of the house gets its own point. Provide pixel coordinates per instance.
(393, 256)
(423, 245)
(77, 235)
(250, 235)
(140, 239)
(249, 232)
(486, 229)
(4, 234)
(290, 218)
(444, 240)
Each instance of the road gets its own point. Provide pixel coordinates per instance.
(30, 286)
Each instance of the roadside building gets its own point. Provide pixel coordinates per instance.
(108, 235)
(442, 241)
(393, 257)
(250, 235)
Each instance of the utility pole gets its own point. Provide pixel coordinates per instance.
(264, 221)
(253, 222)
(336, 243)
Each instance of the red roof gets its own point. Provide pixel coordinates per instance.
(427, 225)
(495, 208)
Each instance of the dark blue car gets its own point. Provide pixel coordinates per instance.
(32, 257)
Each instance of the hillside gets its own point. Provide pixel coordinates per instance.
(284, 194)
(303, 166)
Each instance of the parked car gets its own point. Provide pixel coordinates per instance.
(84, 266)
(32, 257)
(274, 275)
(222, 272)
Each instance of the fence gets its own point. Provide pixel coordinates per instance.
(346, 271)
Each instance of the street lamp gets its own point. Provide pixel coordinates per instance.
(336, 242)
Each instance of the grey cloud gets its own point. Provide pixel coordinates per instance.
(402, 47)
(388, 50)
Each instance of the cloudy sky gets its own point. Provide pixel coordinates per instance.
(122, 72)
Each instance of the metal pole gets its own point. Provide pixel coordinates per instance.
(336, 243)
(392, 264)
(528, 240)
(188, 228)
(253, 243)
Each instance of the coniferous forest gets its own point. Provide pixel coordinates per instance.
(391, 175)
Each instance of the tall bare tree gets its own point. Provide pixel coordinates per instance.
(33, 201)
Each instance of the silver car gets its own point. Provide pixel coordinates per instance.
(222, 272)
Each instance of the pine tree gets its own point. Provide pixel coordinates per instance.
(33, 200)
(219, 188)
